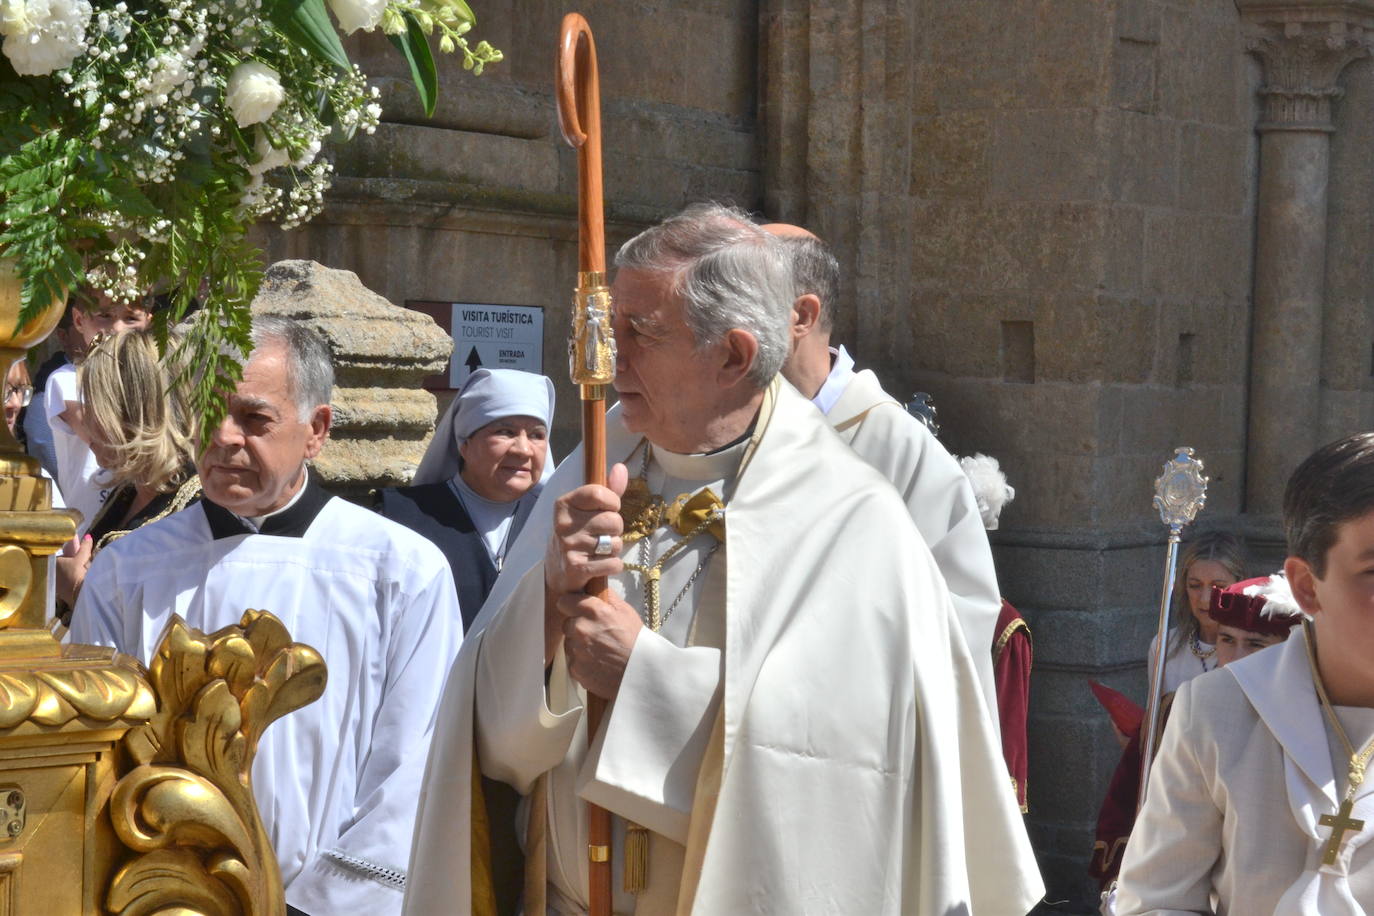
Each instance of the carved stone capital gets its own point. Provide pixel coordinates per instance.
(1304, 47)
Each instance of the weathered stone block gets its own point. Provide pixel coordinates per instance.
(1212, 168)
(1144, 160)
(1192, 256)
(1046, 155)
(977, 52)
(1071, 331)
(950, 155)
(1344, 412)
(1127, 325)
(1124, 249)
(1067, 54)
(380, 352)
(427, 153)
(1195, 79)
(1138, 20)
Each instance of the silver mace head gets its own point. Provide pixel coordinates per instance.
(1181, 491)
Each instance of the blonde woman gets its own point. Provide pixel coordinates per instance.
(142, 438)
(1213, 559)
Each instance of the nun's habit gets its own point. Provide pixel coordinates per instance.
(473, 532)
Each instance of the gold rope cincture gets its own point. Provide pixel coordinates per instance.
(1341, 822)
(644, 513)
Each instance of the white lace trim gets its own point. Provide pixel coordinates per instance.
(380, 873)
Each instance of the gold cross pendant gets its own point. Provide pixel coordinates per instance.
(1340, 823)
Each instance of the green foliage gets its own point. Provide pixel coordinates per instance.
(414, 46)
(306, 22)
(135, 168)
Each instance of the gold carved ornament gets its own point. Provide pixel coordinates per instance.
(186, 808)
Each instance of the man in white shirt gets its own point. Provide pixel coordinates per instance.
(336, 780)
(876, 426)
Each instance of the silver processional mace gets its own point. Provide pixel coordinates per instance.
(1180, 494)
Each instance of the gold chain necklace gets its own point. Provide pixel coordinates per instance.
(652, 570)
(1341, 822)
(1195, 646)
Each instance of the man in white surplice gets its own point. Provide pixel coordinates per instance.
(804, 732)
(335, 781)
(876, 426)
(1253, 804)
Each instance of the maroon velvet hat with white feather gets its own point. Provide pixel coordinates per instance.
(1264, 605)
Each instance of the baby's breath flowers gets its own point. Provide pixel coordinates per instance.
(139, 139)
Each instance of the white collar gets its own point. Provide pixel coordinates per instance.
(841, 371)
(707, 466)
(256, 520)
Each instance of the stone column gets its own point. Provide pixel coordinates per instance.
(1303, 49)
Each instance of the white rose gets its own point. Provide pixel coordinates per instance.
(14, 17)
(269, 156)
(42, 36)
(358, 14)
(253, 93)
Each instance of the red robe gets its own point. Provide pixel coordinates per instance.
(1011, 669)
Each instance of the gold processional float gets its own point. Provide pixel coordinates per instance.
(123, 789)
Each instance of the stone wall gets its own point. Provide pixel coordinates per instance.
(1046, 213)
(1079, 307)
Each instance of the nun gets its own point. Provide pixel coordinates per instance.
(480, 477)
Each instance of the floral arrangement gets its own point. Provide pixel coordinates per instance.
(140, 139)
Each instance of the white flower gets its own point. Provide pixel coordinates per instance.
(358, 14)
(44, 35)
(269, 156)
(253, 93)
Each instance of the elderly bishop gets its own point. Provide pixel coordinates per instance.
(795, 724)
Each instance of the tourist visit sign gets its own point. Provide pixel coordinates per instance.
(485, 336)
(495, 337)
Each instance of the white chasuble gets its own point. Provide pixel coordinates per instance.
(1232, 821)
(843, 763)
(335, 780)
(940, 499)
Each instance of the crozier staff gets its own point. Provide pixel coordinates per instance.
(480, 477)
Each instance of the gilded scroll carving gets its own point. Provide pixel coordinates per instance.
(56, 697)
(186, 807)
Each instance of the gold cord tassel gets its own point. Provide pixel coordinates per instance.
(636, 858)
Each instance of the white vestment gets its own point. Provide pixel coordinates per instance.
(335, 781)
(1231, 822)
(844, 762)
(941, 502)
(78, 473)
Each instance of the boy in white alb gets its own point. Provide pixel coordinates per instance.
(1258, 801)
(93, 313)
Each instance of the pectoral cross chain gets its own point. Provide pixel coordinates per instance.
(1340, 823)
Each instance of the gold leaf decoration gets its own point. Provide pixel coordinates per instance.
(56, 697)
(186, 809)
(16, 577)
(144, 885)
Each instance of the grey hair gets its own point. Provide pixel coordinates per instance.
(309, 368)
(815, 270)
(729, 274)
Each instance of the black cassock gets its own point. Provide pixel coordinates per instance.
(432, 510)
